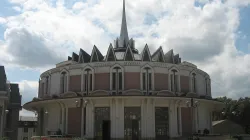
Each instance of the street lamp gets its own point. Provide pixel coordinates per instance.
(193, 104)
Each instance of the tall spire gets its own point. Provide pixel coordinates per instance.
(124, 30)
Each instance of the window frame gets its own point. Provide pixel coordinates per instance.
(147, 70)
(119, 75)
(174, 78)
(89, 73)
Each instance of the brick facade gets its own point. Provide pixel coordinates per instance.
(102, 81)
(75, 83)
(161, 81)
(132, 80)
(184, 84)
(74, 121)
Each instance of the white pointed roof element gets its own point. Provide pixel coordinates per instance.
(124, 31)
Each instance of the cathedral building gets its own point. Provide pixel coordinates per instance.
(124, 94)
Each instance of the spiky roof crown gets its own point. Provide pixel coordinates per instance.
(124, 50)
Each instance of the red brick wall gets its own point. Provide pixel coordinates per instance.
(184, 81)
(161, 81)
(102, 81)
(186, 120)
(132, 80)
(75, 83)
(74, 121)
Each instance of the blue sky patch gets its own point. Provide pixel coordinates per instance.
(244, 39)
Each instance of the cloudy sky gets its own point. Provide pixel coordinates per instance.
(213, 34)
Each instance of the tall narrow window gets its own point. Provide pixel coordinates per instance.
(206, 86)
(63, 82)
(147, 81)
(47, 85)
(117, 81)
(173, 81)
(194, 82)
(88, 80)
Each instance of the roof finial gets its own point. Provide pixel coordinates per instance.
(124, 30)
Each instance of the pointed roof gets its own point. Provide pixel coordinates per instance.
(129, 56)
(158, 55)
(124, 30)
(96, 55)
(84, 57)
(146, 56)
(110, 54)
(169, 56)
(75, 57)
(69, 58)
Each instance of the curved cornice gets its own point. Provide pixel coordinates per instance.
(124, 64)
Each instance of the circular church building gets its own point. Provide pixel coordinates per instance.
(124, 94)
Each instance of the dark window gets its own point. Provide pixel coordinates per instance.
(150, 81)
(34, 129)
(25, 129)
(147, 80)
(47, 85)
(88, 77)
(86, 82)
(172, 82)
(117, 80)
(114, 81)
(194, 82)
(42, 90)
(206, 84)
(120, 81)
(63, 82)
(144, 81)
(90, 82)
(175, 82)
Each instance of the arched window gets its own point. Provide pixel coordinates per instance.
(207, 86)
(173, 80)
(194, 82)
(147, 81)
(88, 81)
(117, 81)
(63, 82)
(47, 85)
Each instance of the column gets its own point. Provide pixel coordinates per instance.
(2, 123)
(113, 119)
(143, 118)
(90, 120)
(82, 120)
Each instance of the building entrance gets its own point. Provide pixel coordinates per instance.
(102, 123)
(161, 123)
(132, 120)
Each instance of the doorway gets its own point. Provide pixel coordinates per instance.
(106, 129)
(132, 119)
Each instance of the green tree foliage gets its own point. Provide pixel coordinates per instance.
(236, 110)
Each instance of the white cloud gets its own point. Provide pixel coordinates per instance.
(204, 35)
(18, 9)
(2, 20)
(28, 90)
(79, 5)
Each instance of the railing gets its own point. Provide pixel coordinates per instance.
(56, 137)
